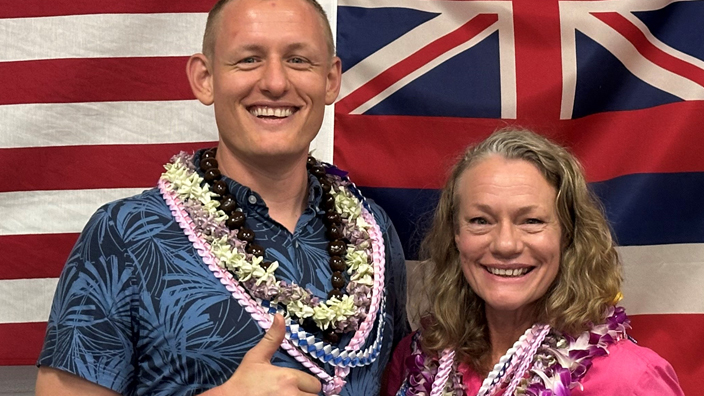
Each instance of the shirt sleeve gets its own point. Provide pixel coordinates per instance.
(630, 370)
(659, 380)
(90, 332)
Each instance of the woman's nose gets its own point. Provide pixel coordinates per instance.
(506, 241)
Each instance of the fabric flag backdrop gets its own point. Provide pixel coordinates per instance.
(94, 99)
(619, 82)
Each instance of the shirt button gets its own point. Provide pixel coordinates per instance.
(252, 199)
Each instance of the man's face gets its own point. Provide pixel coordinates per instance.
(272, 75)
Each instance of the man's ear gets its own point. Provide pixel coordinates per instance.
(334, 80)
(200, 77)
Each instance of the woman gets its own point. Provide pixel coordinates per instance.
(525, 278)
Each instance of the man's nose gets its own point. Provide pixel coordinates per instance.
(274, 79)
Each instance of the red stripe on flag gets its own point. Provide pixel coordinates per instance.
(538, 59)
(94, 80)
(88, 167)
(418, 59)
(34, 256)
(622, 25)
(20, 343)
(42, 8)
(678, 339)
(416, 152)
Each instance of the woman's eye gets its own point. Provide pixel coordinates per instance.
(534, 221)
(478, 221)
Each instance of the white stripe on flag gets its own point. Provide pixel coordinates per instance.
(26, 300)
(70, 124)
(101, 35)
(658, 281)
(662, 278)
(49, 212)
(323, 146)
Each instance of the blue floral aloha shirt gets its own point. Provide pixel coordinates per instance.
(137, 311)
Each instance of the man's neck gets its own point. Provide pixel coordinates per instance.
(282, 184)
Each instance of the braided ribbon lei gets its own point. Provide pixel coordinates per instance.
(524, 350)
(506, 364)
(539, 331)
(444, 370)
(332, 384)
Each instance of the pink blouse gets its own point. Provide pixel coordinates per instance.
(628, 370)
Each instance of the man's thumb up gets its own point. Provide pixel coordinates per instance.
(257, 376)
(265, 349)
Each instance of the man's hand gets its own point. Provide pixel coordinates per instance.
(257, 376)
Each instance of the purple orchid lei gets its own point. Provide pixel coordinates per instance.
(343, 314)
(558, 366)
(422, 370)
(562, 361)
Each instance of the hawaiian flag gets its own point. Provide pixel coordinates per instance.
(620, 82)
(94, 99)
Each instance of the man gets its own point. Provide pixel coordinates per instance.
(144, 305)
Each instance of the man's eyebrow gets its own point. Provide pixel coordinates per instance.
(297, 46)
(250, 47)
(260, 48)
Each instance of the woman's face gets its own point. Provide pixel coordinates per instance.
(508, 233)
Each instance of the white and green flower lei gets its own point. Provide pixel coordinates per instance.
(342, 313)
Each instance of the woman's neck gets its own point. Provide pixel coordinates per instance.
(505, 328)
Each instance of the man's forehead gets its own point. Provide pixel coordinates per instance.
(244, 6)
(235, 14)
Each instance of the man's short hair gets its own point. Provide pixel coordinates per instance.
(213, 17)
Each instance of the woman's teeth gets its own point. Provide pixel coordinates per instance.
(508, 272)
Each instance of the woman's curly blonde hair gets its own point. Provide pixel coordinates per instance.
(587, 283)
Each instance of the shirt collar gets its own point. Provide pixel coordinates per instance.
(247, 198)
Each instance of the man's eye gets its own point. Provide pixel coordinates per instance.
(297, 59)
(248, 60)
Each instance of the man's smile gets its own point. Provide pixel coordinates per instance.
(272, 112)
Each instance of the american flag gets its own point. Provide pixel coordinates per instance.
(95, 99)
